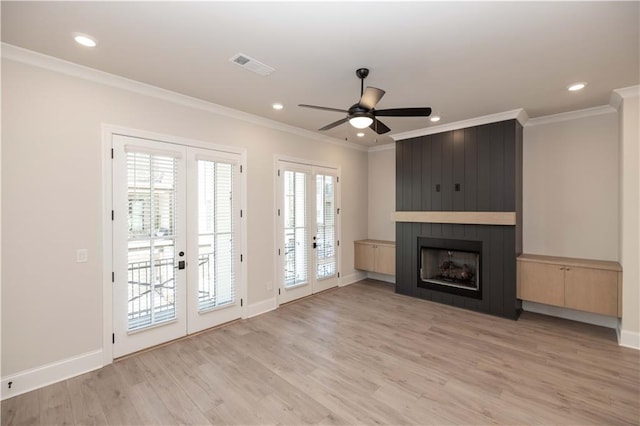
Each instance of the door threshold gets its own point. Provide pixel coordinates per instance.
(307, 297)
(179, 339)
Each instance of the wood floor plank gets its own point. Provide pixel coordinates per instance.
(22, 410)
(85, 399)
(55, 405)
(360, 354)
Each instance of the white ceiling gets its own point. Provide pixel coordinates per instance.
(462, 59)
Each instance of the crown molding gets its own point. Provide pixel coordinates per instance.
(628, 92)
(571, 115)
(385, 147)
(618, 95)
(61, 66)
(516, 114)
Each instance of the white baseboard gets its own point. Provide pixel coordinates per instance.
(352, 278)
(570, 314)
(261, 307)
(382, 277)
(628, 339)
(38, 377)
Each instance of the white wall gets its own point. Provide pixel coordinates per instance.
(630, 216)
(51, 200)
(382, 193)
(570, 187)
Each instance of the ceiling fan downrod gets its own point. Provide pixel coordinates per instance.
(362, 73)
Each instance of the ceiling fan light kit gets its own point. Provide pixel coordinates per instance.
(363, 114)
(361, 121)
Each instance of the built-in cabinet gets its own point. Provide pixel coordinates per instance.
(581, 284)
(375, 256)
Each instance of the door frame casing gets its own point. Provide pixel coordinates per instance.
(108, 131)
(276, 225)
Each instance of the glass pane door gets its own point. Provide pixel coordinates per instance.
(216, 285)
(214, 258)
(307, 230)
(326, 227)
(151, 251)
(296, 244)
(149, 289)
(176, 236)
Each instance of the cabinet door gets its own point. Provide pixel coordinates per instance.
(385, 260)
(592, 290)
(541, 282)
(363, 256)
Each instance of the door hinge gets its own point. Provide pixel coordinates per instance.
(278, 252)
(278, 292)
(337, 179)
(111, 153)
(278, 172)
(278, 212)
(112, 215)
(240, 258)
(113, 277)
(113, 338)
(338, 242)
(338, 211)
(338, 274)
(240, 168)
(240, 212)
(241, 303)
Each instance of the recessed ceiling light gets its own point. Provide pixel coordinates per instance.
(84, 40)
(576, 86)
(360, 134)
(277, 106)
(435, 118)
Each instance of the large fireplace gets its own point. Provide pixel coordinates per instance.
(451, 266)
(459, 217)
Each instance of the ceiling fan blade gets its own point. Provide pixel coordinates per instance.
(323, 108)
(379, 127)
(371, 97)
(334, 124)
(403, 112)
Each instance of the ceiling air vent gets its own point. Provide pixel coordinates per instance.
(251, 64)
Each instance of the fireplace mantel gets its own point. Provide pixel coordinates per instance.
(464, 218)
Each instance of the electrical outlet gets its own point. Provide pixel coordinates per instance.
(82, 256)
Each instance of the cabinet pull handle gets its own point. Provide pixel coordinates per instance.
(567, 269)
(562, 269)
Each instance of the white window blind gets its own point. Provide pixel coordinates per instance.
(326, 238)
(151, 181)
(295, 229)
(216, 257)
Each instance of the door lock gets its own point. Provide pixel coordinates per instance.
(181, 264)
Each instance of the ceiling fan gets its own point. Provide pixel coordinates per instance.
(363, 114)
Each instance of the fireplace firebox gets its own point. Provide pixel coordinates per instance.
(450, 266)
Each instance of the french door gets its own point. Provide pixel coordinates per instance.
(176, 236)
(307, 230)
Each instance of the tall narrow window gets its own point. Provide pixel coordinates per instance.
(295, 228)
(216, 275)
(326, 222)
(151, 239)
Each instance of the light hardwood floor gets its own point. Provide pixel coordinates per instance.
(359, 355)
